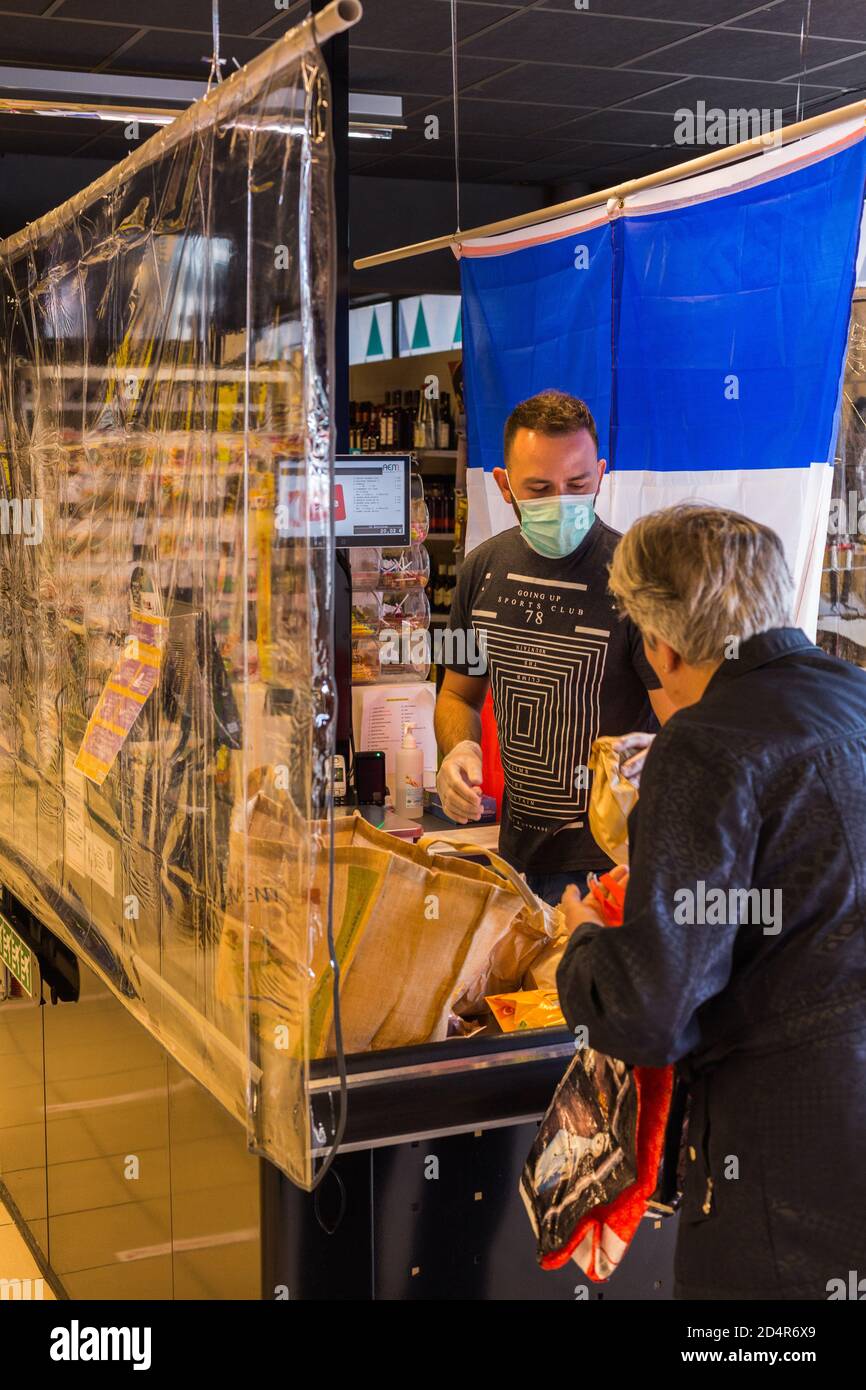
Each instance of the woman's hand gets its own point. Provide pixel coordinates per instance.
(577, 910)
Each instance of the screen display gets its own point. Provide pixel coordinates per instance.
(371, 501)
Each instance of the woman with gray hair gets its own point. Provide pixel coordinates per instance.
(742, 956)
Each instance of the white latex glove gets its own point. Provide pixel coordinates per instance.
(458, 782)
(633, 749)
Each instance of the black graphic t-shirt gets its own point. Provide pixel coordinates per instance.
(564, 669)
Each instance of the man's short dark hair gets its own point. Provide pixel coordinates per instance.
(550, 412)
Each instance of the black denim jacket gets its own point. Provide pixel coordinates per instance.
(745, 927)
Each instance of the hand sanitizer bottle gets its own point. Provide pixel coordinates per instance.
(409, 795)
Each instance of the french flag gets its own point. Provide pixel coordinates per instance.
(705, 324)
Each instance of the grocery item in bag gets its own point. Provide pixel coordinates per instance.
(611, 798)
(528, 1008)
(410, 928)
(524, 957)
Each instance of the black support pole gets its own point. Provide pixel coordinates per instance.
(298, 1258)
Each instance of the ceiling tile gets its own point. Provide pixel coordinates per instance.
(420, 28)
(829, 19)
(571, 86)
(624, 127)
(409, 166)
(402, 142)
(516, 148)
(24, 6)
(57, 42)
(590, 153)
(577, 161)
(850, 74)
(498, 117)
(184, 55)
(596, 165)
(728, 94)
(632, 167)
(740, 53)
(574, 36)
(236, 16)
(695, 11)
(546, 171)
(373, 70)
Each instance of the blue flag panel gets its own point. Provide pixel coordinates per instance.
(732, 320)
(536, 319)
(704, 337)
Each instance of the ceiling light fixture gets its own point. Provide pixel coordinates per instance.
(147, 115)
(372, 116)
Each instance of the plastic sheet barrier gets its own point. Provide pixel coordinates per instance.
(166, 587)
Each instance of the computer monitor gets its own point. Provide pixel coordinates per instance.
(371, 499)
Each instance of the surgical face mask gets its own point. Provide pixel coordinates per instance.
(555, 526)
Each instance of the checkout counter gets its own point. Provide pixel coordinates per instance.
(132, 1181)
(421, 1202)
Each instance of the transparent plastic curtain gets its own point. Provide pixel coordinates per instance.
(165, 555)
(842, 609)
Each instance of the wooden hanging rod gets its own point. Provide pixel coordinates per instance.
(756, 145)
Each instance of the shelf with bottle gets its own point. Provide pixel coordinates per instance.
(440, 497)
(441, 590)
(405, 420)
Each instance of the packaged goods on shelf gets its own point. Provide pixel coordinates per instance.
(366, 564)
(367, 614)
(365, 660)
(405, 568)
(405, 610)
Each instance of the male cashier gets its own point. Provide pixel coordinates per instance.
(564, 668)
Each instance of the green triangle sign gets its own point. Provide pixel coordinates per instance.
(420, 338)
(458, 330)
(374, 342)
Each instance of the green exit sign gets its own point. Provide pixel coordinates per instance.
(18, 958)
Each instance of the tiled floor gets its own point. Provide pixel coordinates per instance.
(85, 1091)
(17, 1264)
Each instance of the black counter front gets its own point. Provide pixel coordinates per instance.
(422, 1201)
(447, 1087)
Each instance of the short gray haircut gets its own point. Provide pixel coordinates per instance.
(696, 576)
